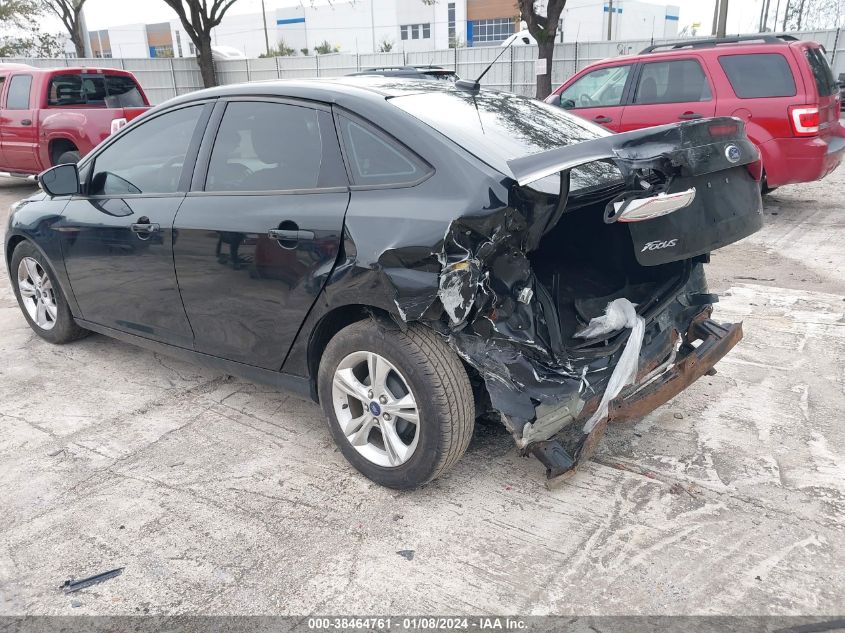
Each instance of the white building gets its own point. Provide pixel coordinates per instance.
(365, 26)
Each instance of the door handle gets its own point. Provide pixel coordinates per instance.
(26, 122)
(290, 234)
(690, 116)
(143, 228)
(602, 119)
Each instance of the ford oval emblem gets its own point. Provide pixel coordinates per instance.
(733, 153)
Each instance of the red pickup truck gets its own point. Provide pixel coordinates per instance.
(50, 116)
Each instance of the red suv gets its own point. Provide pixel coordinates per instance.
(781, 87)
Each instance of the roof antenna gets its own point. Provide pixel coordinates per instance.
(475, 86)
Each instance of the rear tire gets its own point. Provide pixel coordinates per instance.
(71, 157)
(418, 367)
(41, 298)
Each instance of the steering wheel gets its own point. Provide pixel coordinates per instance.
(586, 101)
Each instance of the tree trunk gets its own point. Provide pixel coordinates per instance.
(206, 62)
(79, 46)
(544, 82)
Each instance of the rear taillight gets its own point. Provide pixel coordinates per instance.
(805, 120)
(755, 170)
(116, 124)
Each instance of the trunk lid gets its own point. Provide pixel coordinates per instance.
(711, 160)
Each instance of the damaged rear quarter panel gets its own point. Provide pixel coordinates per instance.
(452, 253)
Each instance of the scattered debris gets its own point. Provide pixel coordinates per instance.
(398, 517)
(75, 604)
(679, 416)
(407, 554)
(71, 585)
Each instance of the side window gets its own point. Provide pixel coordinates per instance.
(147, 159)
(375, 159)
(758, 75)
(263, 146)
(678, 81)
(823, 75)
(599, 88)
(19, 88)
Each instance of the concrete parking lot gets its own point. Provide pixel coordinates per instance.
(219, 496)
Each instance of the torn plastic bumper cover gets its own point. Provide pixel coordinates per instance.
(494, 313)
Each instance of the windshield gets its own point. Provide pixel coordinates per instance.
(497, 126)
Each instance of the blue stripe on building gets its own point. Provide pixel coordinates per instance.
(469, 32)
(153, 51)
(290, 21)
(615, 9)
(675, 18)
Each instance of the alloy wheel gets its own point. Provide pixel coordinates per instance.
(37, 294)
(376, 409)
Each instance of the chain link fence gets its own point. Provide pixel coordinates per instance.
(163, 79)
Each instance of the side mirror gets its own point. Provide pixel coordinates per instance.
(61, 180)
(567, 104)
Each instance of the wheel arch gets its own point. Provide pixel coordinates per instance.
(328, 326)
(59, 273)
(59, 146)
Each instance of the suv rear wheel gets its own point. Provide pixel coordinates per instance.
(399, 404)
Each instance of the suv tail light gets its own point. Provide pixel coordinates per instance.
(116, 124)
(804, 119)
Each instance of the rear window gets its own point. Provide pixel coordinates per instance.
(759, 75)
(497, 126)
(822, 73)
(110, 91)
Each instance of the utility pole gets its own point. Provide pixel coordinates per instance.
(610, 20)
(86, 38)
(373, 23)
(266, 34)
(722, 27)
(764, 16)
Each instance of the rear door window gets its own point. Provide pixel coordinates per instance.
(679, 81)
(757, 75)
(264, 146)
(822, 73)
(19, 89)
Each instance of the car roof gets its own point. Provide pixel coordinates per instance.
(338, 90)
(64, 70)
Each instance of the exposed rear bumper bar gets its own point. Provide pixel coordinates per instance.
(716, 341)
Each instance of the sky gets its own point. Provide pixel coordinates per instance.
(743, 15)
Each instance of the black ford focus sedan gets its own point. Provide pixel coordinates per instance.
(412, 255)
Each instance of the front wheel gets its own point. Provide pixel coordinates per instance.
(41, 299)
(399, 404)
(71, 157)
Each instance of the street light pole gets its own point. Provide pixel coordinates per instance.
(723, 19)
(610, 20)
(266, 34)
